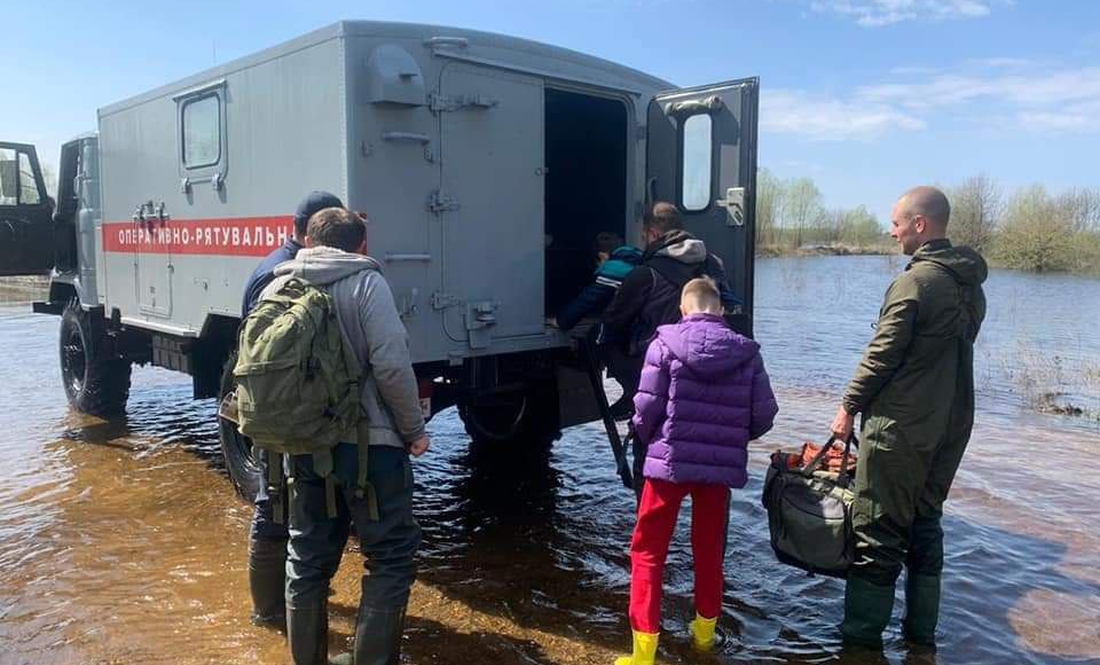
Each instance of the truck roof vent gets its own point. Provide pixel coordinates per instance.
(394, 77)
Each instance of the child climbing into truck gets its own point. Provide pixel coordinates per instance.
(703, 395)
(614, 261)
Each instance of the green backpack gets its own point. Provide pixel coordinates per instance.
(297, 379)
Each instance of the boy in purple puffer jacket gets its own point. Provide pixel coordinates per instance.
(703, 396)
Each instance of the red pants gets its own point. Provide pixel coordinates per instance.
(657, 515)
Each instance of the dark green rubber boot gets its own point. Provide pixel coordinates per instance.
(307, 633)
(922, 608)
(267, 582)
(867, 608)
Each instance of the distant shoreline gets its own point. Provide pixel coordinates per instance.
(774, 251)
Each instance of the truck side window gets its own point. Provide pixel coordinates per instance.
(28, 185)
(697, 144)
(8, 179)
(202, 131)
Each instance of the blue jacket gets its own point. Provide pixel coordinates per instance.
(265, 272)
(598, 295)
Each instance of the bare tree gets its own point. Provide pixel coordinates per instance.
(802, 206)
(1082, 205)
(770, 192)
(49, 178)
(976, 207)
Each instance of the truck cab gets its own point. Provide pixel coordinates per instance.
(26, 213)
(487, 164)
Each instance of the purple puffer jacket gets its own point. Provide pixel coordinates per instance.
(703, 395)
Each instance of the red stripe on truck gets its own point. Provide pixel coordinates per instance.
(235, 236)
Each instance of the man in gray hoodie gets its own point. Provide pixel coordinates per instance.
(392, 427)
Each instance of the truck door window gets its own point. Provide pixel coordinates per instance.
(8, 178)
(696, 161)
(28, 184)
(202, 131)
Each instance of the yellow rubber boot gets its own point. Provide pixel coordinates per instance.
(702, 632)
(645, 650)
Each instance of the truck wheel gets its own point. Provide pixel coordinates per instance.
(240, 462)
(97, 381)
(530, 416)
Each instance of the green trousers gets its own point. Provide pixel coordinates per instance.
(902, 481)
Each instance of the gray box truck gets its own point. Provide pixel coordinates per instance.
(486, 164)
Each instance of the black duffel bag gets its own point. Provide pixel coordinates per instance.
(810, 512)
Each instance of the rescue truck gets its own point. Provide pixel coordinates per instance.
(486, 165)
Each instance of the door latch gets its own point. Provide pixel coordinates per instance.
(734, 203)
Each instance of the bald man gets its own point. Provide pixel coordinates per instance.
(915, 390)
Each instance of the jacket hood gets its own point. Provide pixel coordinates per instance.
(680, 246)
(966, 264)
(325, 265)
(705, 344)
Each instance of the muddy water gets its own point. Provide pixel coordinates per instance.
(123, 542)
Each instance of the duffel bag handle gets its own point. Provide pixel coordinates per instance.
(819, 458)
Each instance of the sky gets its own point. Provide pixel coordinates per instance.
(867, 97)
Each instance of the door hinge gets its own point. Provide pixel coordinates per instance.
(439, 202)
(443, 103)
(441, 300)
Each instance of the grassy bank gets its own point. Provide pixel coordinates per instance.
(15, 289)
(831, 249)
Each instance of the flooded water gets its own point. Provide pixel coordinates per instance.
(123, 542)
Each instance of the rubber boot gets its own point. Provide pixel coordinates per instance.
(645, 650)
(703, 632)
(922, 608)
(267, 580)
(377, 639)
(867, 608)
(307, 634)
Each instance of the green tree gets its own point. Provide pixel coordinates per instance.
(1037, 233)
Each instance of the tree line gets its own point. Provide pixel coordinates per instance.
(791, 215)
(1025, 229)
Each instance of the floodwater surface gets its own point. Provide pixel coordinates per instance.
(123, 542)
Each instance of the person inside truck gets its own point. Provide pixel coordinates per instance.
(268, 536)
(614, 261)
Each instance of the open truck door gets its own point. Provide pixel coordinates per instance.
(26, 225)
(701, 155)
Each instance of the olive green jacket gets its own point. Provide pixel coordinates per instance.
(922, 351)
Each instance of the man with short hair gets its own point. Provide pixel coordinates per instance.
(267, 537)
(650, 294)
(324, 506)
(915, 389)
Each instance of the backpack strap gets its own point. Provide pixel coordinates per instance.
(322, 466)
(275, 486)
(364, 488)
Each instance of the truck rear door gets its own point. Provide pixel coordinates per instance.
(490, 204)
(26, 225)
(701, 155)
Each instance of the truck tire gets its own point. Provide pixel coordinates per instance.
(527, 416)
(240, 461)
(96, 379)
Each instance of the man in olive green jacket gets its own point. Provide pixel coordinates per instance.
(915, 389)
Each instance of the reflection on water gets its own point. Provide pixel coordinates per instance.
(123, 542)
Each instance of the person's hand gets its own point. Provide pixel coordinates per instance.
(420, 446)
(842, 424)
(552, 322)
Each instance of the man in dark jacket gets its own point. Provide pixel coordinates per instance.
(650, 294)
(268, 535)
(915, 389)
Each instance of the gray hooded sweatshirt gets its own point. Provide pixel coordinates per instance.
(372, 327)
